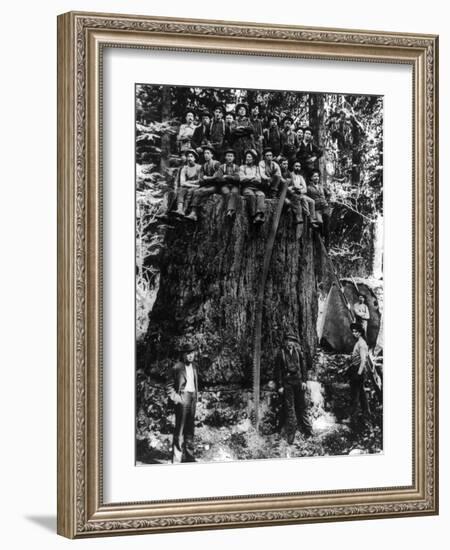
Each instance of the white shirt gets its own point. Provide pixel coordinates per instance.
(190, 383)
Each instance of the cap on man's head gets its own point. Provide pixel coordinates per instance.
(208, 148)
(192, 152)
(358, 327)
(253, 153)
(188, 347)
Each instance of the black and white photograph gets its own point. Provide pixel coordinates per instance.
(259, 274)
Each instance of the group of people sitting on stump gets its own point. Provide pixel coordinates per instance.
(233, 154)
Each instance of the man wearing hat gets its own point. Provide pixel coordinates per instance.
(357, 370)
(242, 134)
(217, 130)
(230, 125)
(272, 136)
(228, 175)
(258, 134)
(186, 131)
(270, 173)
(201, 135)
(308, 153)
(208, 182)
(320, 195)
(189, 181)
(289, 140)
(251, 186)
(291, 375)
(182, 390)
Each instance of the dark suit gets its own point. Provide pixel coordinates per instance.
(201, 136)
(291, 374)
(185, 404)
(305, 155)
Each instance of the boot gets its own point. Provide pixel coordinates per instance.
(192, 216)
(259, 218)
(180, 210)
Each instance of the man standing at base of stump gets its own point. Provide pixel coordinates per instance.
(357, 371)
(182, 389)
(291, 377)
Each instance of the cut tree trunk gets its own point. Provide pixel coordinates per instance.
(209, 277)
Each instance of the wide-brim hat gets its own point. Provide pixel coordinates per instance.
(205, 112)
(208, 148)
(291, 120)
(239, 105)
(276, 117)
(229, 151)
(257, 104)
(358, 327)
(291, 336)
(188, 347)
(252, 152)
(193, 152)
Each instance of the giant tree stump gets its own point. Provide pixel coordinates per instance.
(209, 279)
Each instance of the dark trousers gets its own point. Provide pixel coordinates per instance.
(202, 193)
(184, 196)
(183, 436)
(358, 394)
(295, 410)
(271, 185)
(255, 199)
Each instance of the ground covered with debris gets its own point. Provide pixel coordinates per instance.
(224, 430)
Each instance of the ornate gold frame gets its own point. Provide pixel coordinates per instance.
(81, 37)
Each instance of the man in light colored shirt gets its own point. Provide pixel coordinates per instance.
(251, 186)
(358, 365)
(189, 182)
(186, 131)
(362, 312)
(182, 390)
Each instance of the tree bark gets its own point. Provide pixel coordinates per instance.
(209, 278)
(165, 116)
